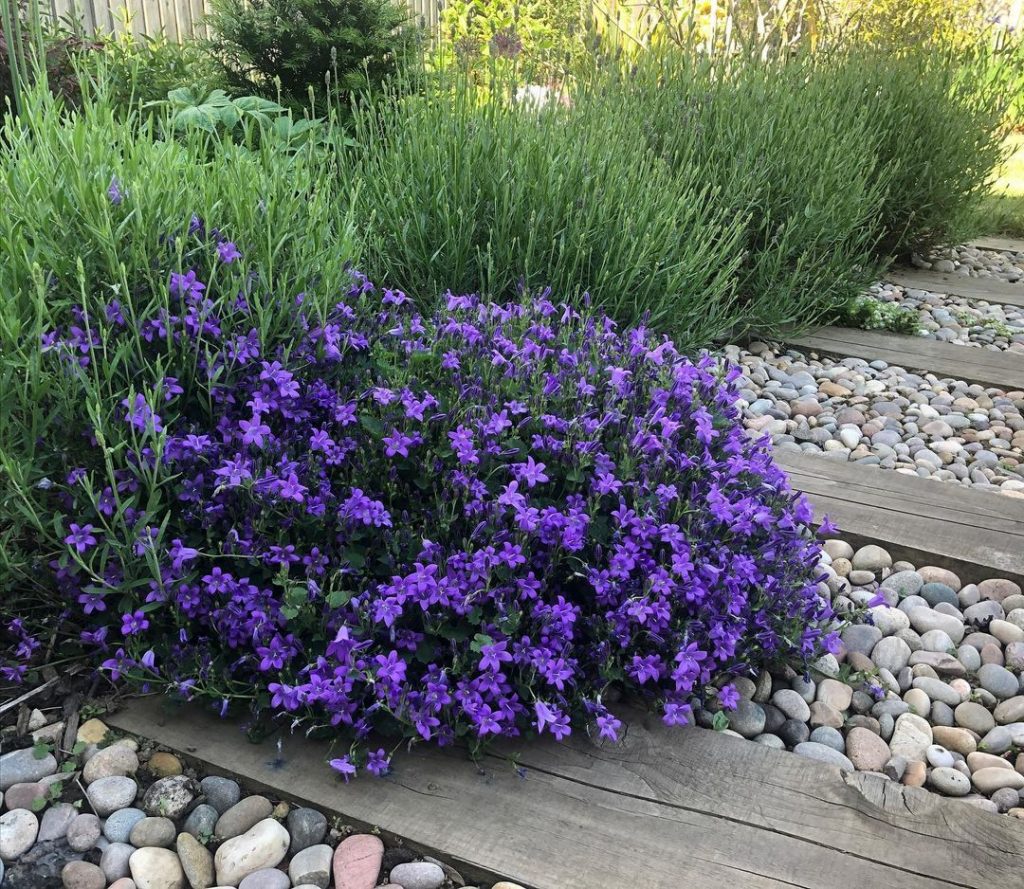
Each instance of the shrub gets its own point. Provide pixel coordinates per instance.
(60, 236)
(936, 170)
(282, 49)
(783, 153)
(452, 526)
(486, 196)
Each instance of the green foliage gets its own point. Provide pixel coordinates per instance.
(486, 196)
(135, 70)
(936, 131)
(60, 236)
(286, 48)
(869, 313)
(783, 152)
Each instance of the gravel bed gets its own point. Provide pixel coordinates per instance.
(148, 821)
(927, 688)
(880, 414)
(974, 262)
(956, 319)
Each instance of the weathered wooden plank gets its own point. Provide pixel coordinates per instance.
(1002, 370)
(667, 808)
(911, 830)
(989, 289)
(977, 534)
(994, 243)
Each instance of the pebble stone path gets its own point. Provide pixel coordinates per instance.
(878, 414)
(976, 262)
(927, 688)
(133, 817)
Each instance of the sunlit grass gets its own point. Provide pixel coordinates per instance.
(1002, 212)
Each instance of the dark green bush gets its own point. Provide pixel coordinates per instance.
(287, 47)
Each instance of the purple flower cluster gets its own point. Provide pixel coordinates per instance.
(466, 525)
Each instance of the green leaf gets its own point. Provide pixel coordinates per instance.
(41, 750)
(337, 598)
(479, 641)
(38, 804)
(371, 424)
(720, 722)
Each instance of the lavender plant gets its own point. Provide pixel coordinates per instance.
(446, 526)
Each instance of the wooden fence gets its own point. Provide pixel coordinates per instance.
(175, 19)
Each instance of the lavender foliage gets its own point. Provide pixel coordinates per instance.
(458, 526)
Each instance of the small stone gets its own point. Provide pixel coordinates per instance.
(307, 827)
(904, 583)
(153, 832)
(117, 760)
(978, 760)
(918, 701)
(974, 716)
(266, 878)
(939, 757)
(357, 862)
(418, 875)
(196, 861)
(22, 767)
(263, 845)
(23, 796)
(55, 822)
(169, 797)
(894, 768)
(925, 619)
(933, 593)
(861, 637)
(123, 883)
(957, 739)
(1005, 798)
(998, 681)
(997, 740)
(792, 704)
(83, 832)
(835, 694)
(18, 831)
(998, 589)
(830, 737)
(164, 765)
(931, 574)
(1010, 710)
(866, 750)
(911, 737)
(943, 664)
(82, 875)
(949, 781)
(892, 653)
(107, 795)
(937, 690)
(118, 827)
(824, 715)
(871, 558)
(92, 731)
(769, 740)
(889, 620)
(820, 752)
(221, 793)
(793, 732)
(201, 822)
(988, 780)
(915, 773)
(242, 816)
(154, 868)
(114, 861)
(1006, 632)
(748, 718)
(313, 865)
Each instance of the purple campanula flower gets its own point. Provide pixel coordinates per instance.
(80, 537)
(227, 252)
(114, 193)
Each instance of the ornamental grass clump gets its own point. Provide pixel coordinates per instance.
(449, 526)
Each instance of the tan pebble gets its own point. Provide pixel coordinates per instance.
(505, 884)
(979, 760)
(164, 765)
(281, 811)
(92, 731)
(1017, 812)
(915, 774)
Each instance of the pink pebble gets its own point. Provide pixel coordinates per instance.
(357, 862)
